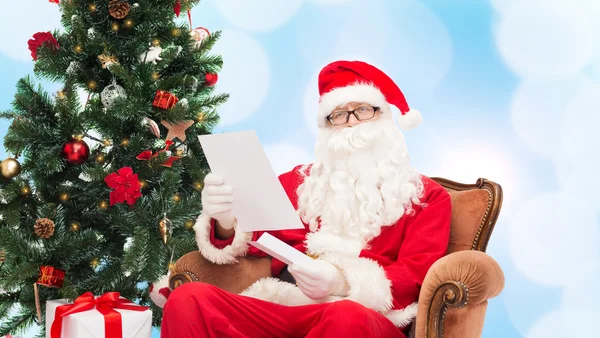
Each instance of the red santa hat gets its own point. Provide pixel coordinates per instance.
(341, 82)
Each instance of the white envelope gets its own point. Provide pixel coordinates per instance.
(260, 201)
(280, 250)
(90, 324)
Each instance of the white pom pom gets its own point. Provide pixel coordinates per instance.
(410, 120)
(159, 291)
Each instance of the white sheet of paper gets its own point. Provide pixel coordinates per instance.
(260, 201)
(279, 249)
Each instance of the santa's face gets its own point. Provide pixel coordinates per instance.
(352, 114)
(362, 179)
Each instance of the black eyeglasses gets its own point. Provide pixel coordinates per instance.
(361, 113)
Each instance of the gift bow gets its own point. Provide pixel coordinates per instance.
(147, 155)
(105, 304)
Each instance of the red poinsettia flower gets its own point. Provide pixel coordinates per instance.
(126, 186)
(39, 39)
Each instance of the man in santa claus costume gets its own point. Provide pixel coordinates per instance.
(373, 225)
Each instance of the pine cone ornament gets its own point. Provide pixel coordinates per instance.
(118, 9)
(44, 228)
(2, 256)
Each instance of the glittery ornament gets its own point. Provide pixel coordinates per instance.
(111, 94)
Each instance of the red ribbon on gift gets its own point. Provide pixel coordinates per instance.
(105, 304)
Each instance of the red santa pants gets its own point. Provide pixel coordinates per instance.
(197, 310)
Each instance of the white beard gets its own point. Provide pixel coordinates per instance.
(361, 181)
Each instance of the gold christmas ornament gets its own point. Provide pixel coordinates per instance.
(100, 158)
(164, 227)
(44, 228)
(200, 117)
(103, 205)
(179, 152)
(155, 42)
(74, 226)
(106, 143)
(92, 85)
(125, 142)
(61, 94)
(155, 76)
(64, 197)
(10, 168)
(128, 23)
(92, 7)
(118, 9)
(94, 263)
(115, 26)
(107, 60)
(78, 49)
(198, 185)
(176, 198)
(189, 224)
(175, 31)
(26, 190)
(143, 184)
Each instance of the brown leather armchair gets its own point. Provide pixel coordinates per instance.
(456, 289)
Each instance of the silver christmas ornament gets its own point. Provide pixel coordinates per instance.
(191, 83)
(111, 94)
(73, 67)
(184, 103)
(91, 33)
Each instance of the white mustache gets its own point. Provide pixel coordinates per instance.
(352, 139)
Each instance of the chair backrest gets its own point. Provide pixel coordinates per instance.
(475, 210)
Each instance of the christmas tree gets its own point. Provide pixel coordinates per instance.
(102, 195)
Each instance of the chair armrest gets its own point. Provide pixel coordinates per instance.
(460, 279)
(235, 278)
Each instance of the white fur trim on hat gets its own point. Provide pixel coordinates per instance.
(410, 120)
(228, 254)
(358, 92)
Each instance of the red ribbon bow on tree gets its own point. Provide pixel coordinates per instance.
(105, 304)
(177, 10)
(147, 155)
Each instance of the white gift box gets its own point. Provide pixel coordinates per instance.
(90, 324)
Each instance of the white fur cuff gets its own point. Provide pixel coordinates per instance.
(368, 282)
(228, 254)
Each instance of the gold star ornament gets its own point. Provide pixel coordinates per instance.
(107, 60)
(177, 130)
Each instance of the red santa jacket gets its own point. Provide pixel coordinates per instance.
(386, 275)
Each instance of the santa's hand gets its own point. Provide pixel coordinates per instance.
(319, 279)
(217, 199)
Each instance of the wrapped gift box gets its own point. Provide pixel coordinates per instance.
(165, 100)
(90, 324)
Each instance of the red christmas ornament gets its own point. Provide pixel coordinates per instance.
(126, 186)
(39, 39)
(164, 100)
(76, 151)
(211, 79)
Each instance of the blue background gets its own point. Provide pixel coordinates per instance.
(508, 90)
